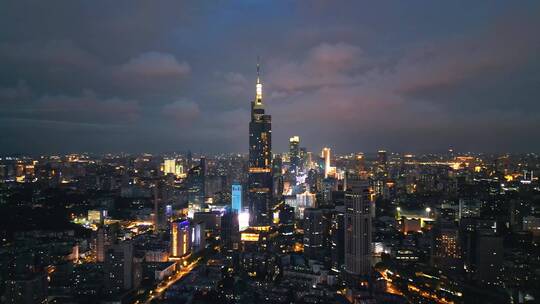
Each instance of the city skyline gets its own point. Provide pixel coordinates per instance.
(408, 78)
(372, 153)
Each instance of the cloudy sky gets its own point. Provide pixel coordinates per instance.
(159, 76)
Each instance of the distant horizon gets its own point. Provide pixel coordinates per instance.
(316, 152)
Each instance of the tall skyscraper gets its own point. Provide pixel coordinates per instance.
(236, 194)
(195, 182)
(358, 230)
(337, 235)
(326, 156)
(313, 233)
(260, 160)
(294, 154)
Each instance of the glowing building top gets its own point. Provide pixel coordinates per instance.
(258, 93)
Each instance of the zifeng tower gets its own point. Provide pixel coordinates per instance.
(260, 160)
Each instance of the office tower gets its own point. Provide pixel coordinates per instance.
(294, 155)
(118, 268)
(180, 238)
(169, 166)
(236, 195)
(159, 215)
(326, 158)
(195, 183)
(358, 230)
(446, 253)
(313, 233)
(230, 236)
(260, 180)
(337, 236)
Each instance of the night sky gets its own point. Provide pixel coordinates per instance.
(161, 76)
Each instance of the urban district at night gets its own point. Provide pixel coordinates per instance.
(157, 152)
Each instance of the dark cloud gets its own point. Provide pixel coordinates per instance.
(154, 64)
(85, 108)
(182, 112)
(134, 76)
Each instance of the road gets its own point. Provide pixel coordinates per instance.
(175, 278)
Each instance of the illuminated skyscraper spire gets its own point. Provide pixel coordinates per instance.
(258, 95)
(260, 183)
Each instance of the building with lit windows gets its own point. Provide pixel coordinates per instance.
(169, 166)
(313, 233)
(358, 230)
(294, 155)
(180, 238)
(260, 181)
(236, 195)
(118, 268)
(325, 154)
(446, 253)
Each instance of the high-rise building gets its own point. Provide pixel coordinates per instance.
(313, 232)
(358, 230)
(230, 236)
(294, 155)
(159, 214)
(169, 166)
(195, 183)
(489, 258)
(326, 157)
(382, 160)
(446, 252)
(118, 268)
(180, 238)
(103, 239)
(236, 195)
(260, 160)
(337, 236)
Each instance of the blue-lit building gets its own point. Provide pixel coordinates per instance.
(236, 195)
